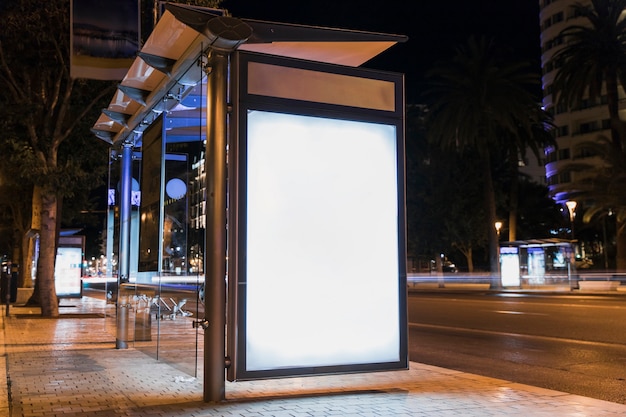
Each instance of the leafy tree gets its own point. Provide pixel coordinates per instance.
(422, 227)
(540, 217)
(535, 140)
(602, 191)
(463, 217)
(49, 108)
(594, 57)
(444, 211)
(51, 112)
(479, 103)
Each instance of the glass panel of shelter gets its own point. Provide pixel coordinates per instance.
(170, 301)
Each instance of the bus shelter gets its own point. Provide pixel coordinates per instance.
(537, 262)
(257, 196)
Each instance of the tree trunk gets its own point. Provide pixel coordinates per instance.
(467, 251)
(613, 101)
(470, 260)
(31, 236)
(47, 254)
(492, 236)
(513, 200)
(34, 299)
(26, 279)
(620, 240)
(618, 136)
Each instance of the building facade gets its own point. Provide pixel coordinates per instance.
(573, 125)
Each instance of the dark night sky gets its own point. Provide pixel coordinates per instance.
(434, 28)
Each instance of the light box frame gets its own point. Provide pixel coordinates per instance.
(291, 89)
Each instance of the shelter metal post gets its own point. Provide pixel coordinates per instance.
(215, 281)
(126, 176)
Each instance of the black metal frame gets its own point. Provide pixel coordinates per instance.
(238, 205)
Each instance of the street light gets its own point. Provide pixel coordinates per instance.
(498, 226)
(571, 206)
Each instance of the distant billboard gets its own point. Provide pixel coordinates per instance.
(104, 38)
(68, 267)
(510, 266)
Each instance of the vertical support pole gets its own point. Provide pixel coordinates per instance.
(8, 288)
(110, 229)
(215, 272)
(126, 176)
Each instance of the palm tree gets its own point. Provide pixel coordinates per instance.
(535, 139)
(594, 57)
(603, 189)
(478, 105)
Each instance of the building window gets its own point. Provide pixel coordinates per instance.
(562, 131)
(548, 67)
(557, 41)
(549, 89)
(561, 108)
(588, 127)
(563, 154)
(583, 153)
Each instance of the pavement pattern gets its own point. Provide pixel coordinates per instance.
(69, 366)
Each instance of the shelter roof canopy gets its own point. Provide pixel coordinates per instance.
(169, 60)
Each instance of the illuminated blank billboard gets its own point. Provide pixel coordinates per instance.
(321, 281)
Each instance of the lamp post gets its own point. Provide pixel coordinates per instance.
(498, 226)
(571, 207)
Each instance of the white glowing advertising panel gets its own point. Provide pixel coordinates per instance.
(68, 271)
(319, 261)
(321, 242)
(509, 266)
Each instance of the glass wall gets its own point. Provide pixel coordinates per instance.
(162, 299)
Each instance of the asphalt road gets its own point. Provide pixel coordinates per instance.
(570, 343)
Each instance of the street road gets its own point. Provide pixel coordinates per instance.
(570, 343)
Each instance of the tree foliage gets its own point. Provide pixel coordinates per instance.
(481, 105)
(48, 118)
(592, 63)
(445, 210)
(594, 57)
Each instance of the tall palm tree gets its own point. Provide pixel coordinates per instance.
(594, 57)
(479, 104)
(603, 189)
(534, 138)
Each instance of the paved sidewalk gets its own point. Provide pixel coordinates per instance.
(70, 367)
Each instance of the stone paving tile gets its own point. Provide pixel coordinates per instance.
(69, 367)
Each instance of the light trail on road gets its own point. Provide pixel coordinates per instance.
(519, 335)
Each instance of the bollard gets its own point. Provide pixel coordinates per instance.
(121, 340)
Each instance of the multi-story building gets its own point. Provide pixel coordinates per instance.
(575, 125)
